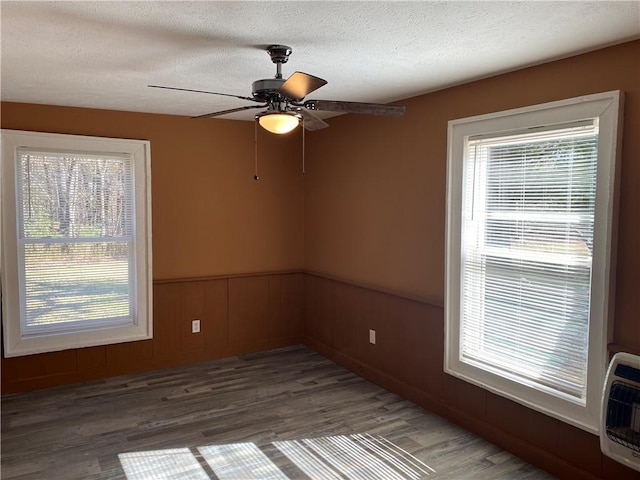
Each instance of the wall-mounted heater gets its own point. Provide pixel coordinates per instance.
(620, 419)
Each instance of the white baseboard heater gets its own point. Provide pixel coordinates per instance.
(620, 418)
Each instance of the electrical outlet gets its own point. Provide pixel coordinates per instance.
(372, 336)
(195, 326)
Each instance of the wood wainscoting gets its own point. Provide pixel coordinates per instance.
(238, 314)
(407, 359)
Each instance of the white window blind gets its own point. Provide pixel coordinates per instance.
(76, 233)
(528, 222)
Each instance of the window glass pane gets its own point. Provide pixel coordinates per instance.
(76, 283)
(73, 195)
(69, 203)
(528, 237)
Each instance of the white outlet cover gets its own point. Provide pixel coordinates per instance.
(195, 326)
(372, 336)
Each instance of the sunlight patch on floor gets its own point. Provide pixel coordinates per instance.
(234, 461)
(354, 457)
(357, 457)
(175, 463)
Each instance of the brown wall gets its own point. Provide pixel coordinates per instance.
(375, 202)
(210, 219)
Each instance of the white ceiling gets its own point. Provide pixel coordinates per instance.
(104, 54)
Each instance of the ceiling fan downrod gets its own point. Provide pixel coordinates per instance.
(279, 54)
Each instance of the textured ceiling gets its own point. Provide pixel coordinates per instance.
(104, 54)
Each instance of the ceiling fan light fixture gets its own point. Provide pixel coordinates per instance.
(278, 122)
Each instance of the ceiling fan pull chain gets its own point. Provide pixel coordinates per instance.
(255, 143)
(304, 172)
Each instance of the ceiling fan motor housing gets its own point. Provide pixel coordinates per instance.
(266, 89)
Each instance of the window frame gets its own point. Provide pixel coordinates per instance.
(14, 342)
(607, 107)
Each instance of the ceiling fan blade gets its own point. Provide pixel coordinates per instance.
(232, 110)
(356, 107)
(311, 121)
(203, 91)
(300, 84)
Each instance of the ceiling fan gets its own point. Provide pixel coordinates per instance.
(284, 99)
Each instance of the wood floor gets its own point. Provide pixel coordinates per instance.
(286, 413)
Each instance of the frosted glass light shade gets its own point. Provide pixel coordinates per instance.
(279, 122)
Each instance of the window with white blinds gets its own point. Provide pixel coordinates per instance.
(79, 250)
(529, 251)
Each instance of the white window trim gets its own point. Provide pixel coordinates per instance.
(608, 108)
(14, 343)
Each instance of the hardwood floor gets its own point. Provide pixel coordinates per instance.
(286, 413)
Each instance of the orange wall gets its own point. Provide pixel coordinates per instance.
(210, 217)
(375, 196)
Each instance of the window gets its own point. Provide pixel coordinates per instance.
(76, 259)
(531, 199)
